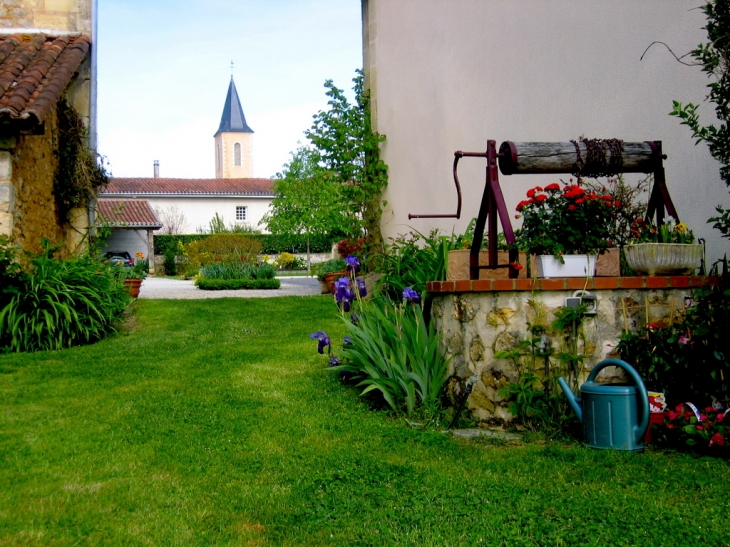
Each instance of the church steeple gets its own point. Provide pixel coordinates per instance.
(233, 120)
(233, 140)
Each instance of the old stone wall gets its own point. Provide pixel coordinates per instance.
(33, 167)
(46, 15)
(476, 325)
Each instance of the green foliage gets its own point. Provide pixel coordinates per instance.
(80, 173)
(170, 264)
(217, 225)
(394, 353)
(226, 248)
(413, 259)
(333, 265)
(349, 150)
(688, 360)
(207, 284)
(270, 244)
(237, 270)
(722, 221)
(57, 304)
(307, 198)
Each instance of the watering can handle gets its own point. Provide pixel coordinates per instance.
(643, 395)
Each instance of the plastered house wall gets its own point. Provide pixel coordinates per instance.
(447, 76)
(200, 211)
(46, 15)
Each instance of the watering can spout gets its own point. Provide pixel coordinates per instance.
(575, 402)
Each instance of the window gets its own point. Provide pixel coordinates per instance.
(218, 159)
(241, 212)
(237, 154)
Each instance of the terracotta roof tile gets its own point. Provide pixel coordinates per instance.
(132, 213)
(35, 69)
(189, 187)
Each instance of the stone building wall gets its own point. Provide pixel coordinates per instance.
(46, 15)
(476, 325)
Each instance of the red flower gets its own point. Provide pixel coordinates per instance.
(617, 203)
(700, 427)
(571, 207)
(540, 198)
(717, 439)
(551, 187)
(579, 201)
(607, 197)
(516, 265)
(521, 205)
(531, 192)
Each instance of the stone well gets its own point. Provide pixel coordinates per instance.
(478, 318)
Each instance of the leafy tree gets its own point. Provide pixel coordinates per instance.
(348, 149)
(307, 199)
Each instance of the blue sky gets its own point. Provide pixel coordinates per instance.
(165, 66)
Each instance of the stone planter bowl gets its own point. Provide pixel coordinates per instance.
(664, 258)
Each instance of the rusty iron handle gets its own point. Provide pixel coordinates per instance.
(457, 156)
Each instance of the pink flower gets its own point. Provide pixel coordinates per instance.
(683, 340)
(717, 439)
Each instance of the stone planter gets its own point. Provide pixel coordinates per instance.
(458, 265)
(133, 286)
(664, 258)
(574, 266)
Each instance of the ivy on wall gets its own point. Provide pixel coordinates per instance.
(80, 174)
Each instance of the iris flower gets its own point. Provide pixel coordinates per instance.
(411, 296)
(322, 339)
(353, 264)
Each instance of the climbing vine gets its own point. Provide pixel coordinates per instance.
(80, 171)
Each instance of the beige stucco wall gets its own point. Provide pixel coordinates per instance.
(199, 211)
(46, 15)
(448, 76)
(224, 165)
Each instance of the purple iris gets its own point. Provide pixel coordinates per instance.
(354, 319)
(323, 339)
(347, 341)
(335, 361)
(411, 296)
(343, 293)
(353, 264)
(362, 289)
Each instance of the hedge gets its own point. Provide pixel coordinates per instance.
(234, 284)
(271, 244)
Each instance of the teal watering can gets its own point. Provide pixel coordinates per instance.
(613, 415)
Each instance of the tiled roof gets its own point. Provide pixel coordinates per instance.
(233, 120)
(189, 187)
(131, 213)
(35, 70)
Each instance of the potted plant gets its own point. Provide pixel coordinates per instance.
(664, 250)
(133, 276)
(566, 228)
(328, 272)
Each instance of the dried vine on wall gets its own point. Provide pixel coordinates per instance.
(80, 173)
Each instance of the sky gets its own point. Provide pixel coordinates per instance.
(164, 67)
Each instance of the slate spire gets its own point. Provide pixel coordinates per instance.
(233, 120)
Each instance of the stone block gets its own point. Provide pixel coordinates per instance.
(52, 21)
(6, 224)
(7, 197)
(61, 5)
(6, 166)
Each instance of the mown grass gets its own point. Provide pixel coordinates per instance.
(216, 423)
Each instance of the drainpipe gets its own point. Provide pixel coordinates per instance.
(92, 105)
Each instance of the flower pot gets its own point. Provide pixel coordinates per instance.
(574, 266)
(655, 418)
(133, 286)
(331, 278)
(458, 265)
(664, 258)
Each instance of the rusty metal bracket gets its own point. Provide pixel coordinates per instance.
(659, 198)
(457, 157)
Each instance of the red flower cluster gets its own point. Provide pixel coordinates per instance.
(694, 427)
(565, 220)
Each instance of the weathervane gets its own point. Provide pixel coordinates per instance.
(231, 69)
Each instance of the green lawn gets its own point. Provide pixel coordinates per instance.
(215, 422)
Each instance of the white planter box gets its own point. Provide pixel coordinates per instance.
(575, 266)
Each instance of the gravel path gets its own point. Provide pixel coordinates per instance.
(177, 289)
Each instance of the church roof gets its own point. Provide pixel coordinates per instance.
(35, 70)
(129, 213)
(233, 120)
(120, 187)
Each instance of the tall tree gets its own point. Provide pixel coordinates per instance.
(307, 199)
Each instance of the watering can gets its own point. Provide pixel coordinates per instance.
(613, 415)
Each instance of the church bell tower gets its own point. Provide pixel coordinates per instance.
(233, 140)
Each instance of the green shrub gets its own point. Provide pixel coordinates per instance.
(169, 266)
(61, 303)
(227, 248)
(237, 270)
(207, 284)
(334, 265)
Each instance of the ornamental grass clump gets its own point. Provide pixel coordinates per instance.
(237, 275)
(570, 220)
